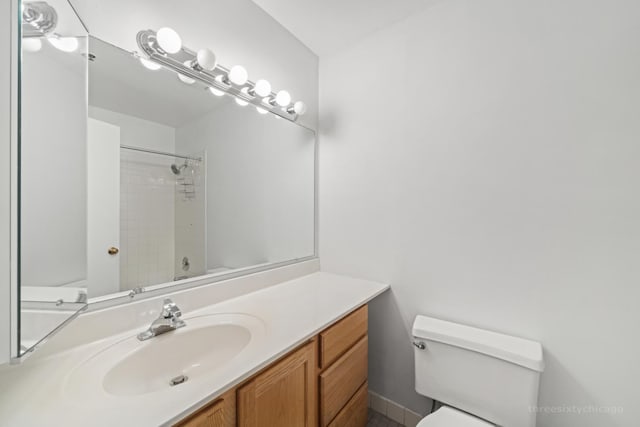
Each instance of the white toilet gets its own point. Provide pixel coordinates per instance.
(484, 378)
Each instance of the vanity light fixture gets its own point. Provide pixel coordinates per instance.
(283, 98)
(185, 79)
(164, 49)
(32, 44)
(262, 88)
(298, 108)
(38, 19)
(149, 64)
(206, 59)
(65, 44)
(168, 40)
(238, 75)
(216, 92)
(242, 102)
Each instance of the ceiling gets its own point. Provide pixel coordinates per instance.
(118, 82)
(327, 26)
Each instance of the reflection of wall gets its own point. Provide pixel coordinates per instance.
(54, 162)
(147, 201)
(259, 186)
(504, 192)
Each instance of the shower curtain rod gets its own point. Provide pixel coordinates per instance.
(162, 153)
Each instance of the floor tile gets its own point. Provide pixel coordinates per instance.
(379, 420)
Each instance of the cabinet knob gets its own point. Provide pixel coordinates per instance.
(113, 251)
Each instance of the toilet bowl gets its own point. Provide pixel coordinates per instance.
(482, 378)
(450, 417)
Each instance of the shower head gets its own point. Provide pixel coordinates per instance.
(177, 170)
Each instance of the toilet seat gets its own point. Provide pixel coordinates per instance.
(449, 417)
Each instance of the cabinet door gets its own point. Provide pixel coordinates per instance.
(220, 413)
(285, 395)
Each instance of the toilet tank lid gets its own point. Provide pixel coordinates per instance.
(516, 350)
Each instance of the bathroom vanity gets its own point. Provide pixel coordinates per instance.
(168, 274)
(324, 380)
(304, 361)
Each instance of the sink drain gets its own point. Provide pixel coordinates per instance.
(178, 380)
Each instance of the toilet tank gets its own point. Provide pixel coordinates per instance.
(490, 375)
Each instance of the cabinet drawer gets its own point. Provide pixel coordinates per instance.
(355, 413)
(337, 339)
(341, 381)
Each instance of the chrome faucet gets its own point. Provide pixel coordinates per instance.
(168, 320)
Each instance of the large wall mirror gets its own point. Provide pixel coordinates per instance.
(135, 179)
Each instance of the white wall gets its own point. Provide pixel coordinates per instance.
(482, 157)
(260, 180)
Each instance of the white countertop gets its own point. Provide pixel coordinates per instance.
(34, 394)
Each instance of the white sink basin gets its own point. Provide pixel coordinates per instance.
(206, 345)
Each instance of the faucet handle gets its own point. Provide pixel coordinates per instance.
(170, 309)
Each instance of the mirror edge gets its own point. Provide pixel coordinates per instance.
(9, 126)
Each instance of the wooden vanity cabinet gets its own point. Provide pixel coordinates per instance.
(283, 395)
(220, 413)
(321, 384)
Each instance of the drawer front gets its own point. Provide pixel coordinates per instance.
(341, 380)
(355, 413)
(337, 339)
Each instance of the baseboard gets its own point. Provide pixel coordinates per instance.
(393, 411)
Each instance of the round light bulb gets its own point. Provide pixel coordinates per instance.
(186, 80)
(216, 92)
(65, 44)
(262, 88)
(169, 40)
(283, 98)
(238, 75)
(300, 108)
(261, 110)
(150, 65)
(206, 59)
(31, 44)
(241, 102)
